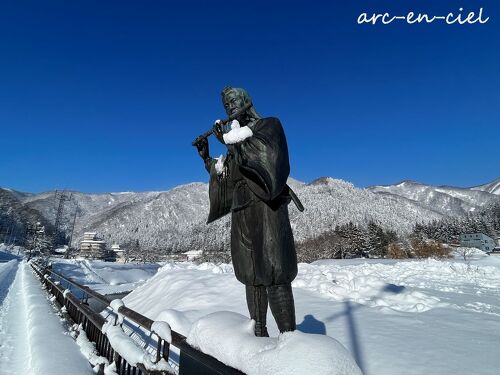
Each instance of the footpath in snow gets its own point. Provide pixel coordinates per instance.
(32, 338)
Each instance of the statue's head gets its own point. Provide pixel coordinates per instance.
(234, 99)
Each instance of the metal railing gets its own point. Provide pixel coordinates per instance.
(191, 360)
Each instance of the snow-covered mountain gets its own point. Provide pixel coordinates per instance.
(445, 200)
(175, 219)
(15, 216)
(492, 188)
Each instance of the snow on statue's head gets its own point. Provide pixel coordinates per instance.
(234, 99)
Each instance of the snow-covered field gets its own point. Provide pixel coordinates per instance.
(106, 277)
(395, 317)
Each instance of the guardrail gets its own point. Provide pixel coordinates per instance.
(191, 360)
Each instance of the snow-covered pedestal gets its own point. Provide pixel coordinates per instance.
(230, 338)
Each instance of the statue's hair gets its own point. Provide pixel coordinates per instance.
(251, 112)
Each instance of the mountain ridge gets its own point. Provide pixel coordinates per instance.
(175, 219)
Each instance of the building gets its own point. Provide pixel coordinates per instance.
(92, 246)
(118, 253)
(477, 240)
(193, 254)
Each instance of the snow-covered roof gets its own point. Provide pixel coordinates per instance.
(193, 252)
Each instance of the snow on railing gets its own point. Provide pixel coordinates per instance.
(121, 353)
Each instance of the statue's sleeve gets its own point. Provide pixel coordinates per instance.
(220, 192)
(263, 159)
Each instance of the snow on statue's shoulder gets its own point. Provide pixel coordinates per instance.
(229, 337)
(237, 133)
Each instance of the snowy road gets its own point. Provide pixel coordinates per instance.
(32, 338)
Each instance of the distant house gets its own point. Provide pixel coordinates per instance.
(92, 246)
(478, 240)
(118, 253)
(193, 254)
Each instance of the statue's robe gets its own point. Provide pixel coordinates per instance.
(253, 188)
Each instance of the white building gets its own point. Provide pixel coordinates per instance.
(193, 254)
(119, 253)
(92, 246)
(478, 240)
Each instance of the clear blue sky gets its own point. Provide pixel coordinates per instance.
(102, 96)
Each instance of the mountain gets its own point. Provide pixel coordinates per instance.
(15, 217)
(445, 200)
(492, 187)
(175, 220)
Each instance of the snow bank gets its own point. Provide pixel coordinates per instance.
(230, 338)
(50, 351)
(181, 293)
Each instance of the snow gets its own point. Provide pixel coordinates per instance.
(389, 316)
(5, 271)
(129, 350)
(32, 339)
(106, 277)
(163, 330)
(116, 304)
(88, 349)
(237, 134)
(219, 165)
(363, 285)
(230, 338)
(394, 317)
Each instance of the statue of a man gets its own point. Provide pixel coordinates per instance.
(250, 182)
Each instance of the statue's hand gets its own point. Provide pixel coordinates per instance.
(202, 147)
(219, 132)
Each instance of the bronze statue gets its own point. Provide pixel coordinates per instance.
(250, 182)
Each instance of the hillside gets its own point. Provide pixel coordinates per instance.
(175, 220)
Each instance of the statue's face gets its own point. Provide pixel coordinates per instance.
(233, 102)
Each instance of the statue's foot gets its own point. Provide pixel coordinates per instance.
(261, 330)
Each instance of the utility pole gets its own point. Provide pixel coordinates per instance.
(10, 234)
(60, 197)
(77, 210)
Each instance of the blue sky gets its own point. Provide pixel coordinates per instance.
(103, 96)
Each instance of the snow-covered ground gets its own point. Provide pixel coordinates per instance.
(32, 338)
(106, 277)
(395, 317)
